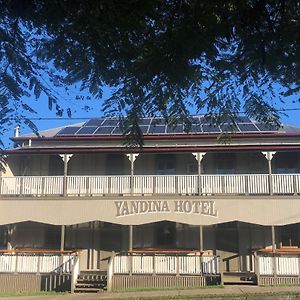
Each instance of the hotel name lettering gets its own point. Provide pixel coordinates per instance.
(135, 207)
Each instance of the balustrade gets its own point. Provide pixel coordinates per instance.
(243, 184)
(278, 265)
(166, 264)
(59, 263)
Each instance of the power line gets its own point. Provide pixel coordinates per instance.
(95, 117)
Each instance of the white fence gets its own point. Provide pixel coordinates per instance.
(166, 264)
(150, 185)
(36, 263)
(283, 265)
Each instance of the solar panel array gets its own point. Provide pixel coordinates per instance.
(157, 126)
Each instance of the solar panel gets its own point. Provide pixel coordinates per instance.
(247, 127)
(156, 125)
(206, 120)
(243, 119)
(117, 130)
(175, 129)
(194, 120)
(210, 128)
(158, 121)
(110, 122)
(104, 130)
(86, 130)
(68, 130)
(265, 127)
(145, 121)
(228, 128)
(157, 129)
(94, 122)
(195, 129)
(144, 129)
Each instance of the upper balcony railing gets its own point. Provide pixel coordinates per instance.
(206, 185)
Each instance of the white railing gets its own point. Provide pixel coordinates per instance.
(36, 263)
(165, 264)
(283, 265)
(243, 184)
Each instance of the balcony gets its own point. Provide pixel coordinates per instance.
(144, 185)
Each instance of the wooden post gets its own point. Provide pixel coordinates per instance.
(269, 156)
(9, 237)
(65, 158)
(62, 246)
(130, 248)
(199, 157)
(62, 237)
(256, 267)
(274, 251)
(273, 238)
(298, 265)
(221, 264)
(65, 175)
(132, 157)
(153, 265)
(270, 177)
(201, 237)
(177, 265)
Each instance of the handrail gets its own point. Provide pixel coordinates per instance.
(38, 251)
(233, 184)
(166, 251)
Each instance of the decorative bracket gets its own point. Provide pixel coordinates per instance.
(268, 154)
(132, 157)
(199, 156)
(67, 156)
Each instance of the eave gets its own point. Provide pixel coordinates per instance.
(221, 148)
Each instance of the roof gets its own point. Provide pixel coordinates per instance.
(156, 126)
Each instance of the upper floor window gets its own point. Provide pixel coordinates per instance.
(225, 163)
(166, 165)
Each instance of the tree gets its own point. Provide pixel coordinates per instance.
(159, 56)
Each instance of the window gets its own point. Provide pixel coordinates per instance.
(166, 165)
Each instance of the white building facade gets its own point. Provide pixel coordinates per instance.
(185, 209)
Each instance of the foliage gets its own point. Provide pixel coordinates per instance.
(161, 57)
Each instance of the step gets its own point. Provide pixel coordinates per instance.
(239, 277)
(90, 281)
(87, 284)
(95, 272)
(88, 290)
(91, 278)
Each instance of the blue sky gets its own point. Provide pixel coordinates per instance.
(41, 106)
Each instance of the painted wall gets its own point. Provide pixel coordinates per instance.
(151, 164)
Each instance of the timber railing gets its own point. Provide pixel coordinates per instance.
(281, 266)
(242, 184)
(37, 261)
(162, 264)
(163, 269)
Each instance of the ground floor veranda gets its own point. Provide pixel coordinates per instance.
(234, 241)
(162, 249)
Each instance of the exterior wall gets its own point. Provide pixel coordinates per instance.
(87, 164)
(35, 235)
(148, 164)
(97, 241)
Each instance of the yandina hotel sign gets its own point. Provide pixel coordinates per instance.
(138, 207)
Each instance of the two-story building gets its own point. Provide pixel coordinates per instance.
(185, 209)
